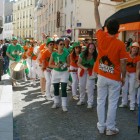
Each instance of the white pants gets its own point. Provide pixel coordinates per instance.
(75, 80)
(10, 62)
(106, 86)
(49, 86)
(129, 87)
(138, 95)
(86, 84)
(32, 65)
(39, 71)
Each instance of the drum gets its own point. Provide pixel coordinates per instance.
(17, 71)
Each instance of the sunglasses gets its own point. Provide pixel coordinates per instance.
(51, 44)
(61, 44)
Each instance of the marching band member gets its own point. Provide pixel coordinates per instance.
(59, 61)
(24, 56)
(86, 81)
(133, 63)
(14, 52)
(40, 72)
(74, 68)
(45, 66)
(31, 62)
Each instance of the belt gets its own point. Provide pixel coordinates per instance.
(73, 70)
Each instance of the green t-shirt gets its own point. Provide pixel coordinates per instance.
(87, 63)
(66, 49)
(60, 58)
(14, 51)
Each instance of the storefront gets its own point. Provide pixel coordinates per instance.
(129, 19)
(86, 34)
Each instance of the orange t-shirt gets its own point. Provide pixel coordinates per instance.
(25, 50)
(42, 46)
(110, 51)
(73, 61)
(45, 55)
(31, 54)
(132, 63)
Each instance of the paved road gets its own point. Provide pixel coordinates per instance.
(35, 120)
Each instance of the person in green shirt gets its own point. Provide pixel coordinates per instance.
(59, 61)
(14, 52)
(86, 78)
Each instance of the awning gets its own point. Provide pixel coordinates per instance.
(130, 26)
(127, 15)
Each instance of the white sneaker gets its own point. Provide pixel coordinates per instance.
(80, 103)
(49, 98)
(122, 106)
(75, 97)
(34, 83)
(64, 108)
(112, 132)
(132, 108)
(89, 106)
(55, 105)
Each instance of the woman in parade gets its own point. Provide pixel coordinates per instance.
(86, 79)
(31, 62)
(132, 68)
(59, 61)
(74, 68)
(40, 72)
(45, 57)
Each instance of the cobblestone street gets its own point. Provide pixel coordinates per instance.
(35, 120)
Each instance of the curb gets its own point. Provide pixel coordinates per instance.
(6, 109)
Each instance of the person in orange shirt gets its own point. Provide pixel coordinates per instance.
(74, 68)
(111, 69)
(132, 67)
(46, 54)
(31, 62)
(40, 71)
(25, 47)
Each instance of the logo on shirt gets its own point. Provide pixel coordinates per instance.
(131, 64)
(106, 65)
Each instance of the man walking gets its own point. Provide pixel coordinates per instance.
(111, 69)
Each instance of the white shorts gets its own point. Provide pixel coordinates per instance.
(60, 76)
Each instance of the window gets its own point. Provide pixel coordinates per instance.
(65, 3)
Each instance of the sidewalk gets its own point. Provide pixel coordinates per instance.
(6, 109)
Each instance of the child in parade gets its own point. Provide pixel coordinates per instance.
(74, 68)
(132, 68)
(59, 61)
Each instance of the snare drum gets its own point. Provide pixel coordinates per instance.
(17, 71)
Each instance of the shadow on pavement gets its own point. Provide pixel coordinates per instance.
(35, 120)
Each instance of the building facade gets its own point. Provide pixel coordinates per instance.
(69, 17)
(23, 18)
(8, 19)
(1, 18)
